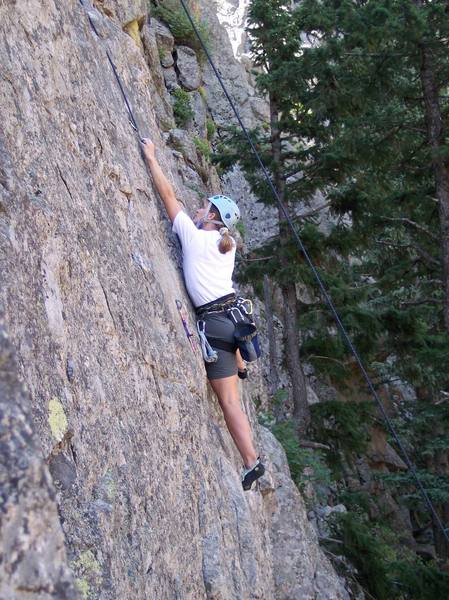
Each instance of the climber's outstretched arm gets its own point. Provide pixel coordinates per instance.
(163, 186)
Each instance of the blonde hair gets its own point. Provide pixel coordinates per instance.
(226, 242)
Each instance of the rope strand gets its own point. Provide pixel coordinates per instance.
(114, 70)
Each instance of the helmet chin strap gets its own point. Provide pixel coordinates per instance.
(204, 219)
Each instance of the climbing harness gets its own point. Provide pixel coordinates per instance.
(321, 285)
(184, 318)
(216, 306)
(245, 334)
(238, 310)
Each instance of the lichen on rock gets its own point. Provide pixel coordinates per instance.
(57, 419)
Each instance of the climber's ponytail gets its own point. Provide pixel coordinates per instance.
(226, 242)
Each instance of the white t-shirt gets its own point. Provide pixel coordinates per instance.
(207, 272)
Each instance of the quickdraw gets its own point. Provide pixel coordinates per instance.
(184, 318)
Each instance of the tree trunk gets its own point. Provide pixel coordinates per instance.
(441, 545)
(440, 466)
(267, 297)
(435, 135)
(301, 411)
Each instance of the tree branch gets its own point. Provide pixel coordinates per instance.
(423, 254)
(312, 211)
(255, 259)
(418, 302)
(392, 244)
(412, 224)
(313, 445)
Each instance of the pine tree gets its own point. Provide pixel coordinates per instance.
(396, 113)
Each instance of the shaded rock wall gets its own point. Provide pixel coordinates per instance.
(33, 557)
(144, 499)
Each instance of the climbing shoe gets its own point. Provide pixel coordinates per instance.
(249, 476)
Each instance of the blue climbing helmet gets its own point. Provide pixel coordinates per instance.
(228, 209)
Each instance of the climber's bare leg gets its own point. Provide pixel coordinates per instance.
(227, 391)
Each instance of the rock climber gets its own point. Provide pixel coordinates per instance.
(208, 263)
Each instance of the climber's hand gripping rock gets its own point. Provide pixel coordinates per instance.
(163, 186)
(148, 149)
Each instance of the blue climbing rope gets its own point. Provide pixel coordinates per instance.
(114, 70)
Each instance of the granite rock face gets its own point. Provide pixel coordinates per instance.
(120, 479)
(34, 562)
(298, 566)
(188, 67)
(165, 42)
(233, 73)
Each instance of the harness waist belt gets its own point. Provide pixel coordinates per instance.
(216, 305)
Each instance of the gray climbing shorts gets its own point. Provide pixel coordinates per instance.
(218, 326)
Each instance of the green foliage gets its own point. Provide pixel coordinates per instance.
(306, 466)
(343, 424)
(351, 121)
(348, 119)
(203, 147)
(240, 226)
(182, 108)
(436, 486)
(355, 501)
(386, 571)
(367, 553)
(211, 128)
(172, 13)
(420, 581)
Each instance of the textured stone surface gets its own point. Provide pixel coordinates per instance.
(182, 142)
(33, 558)
(188, 68)
(233, 73)
(299, 567)
(165, 43)
(146, 475)
(257, 229)
(161, 100)
(125, 10)
(170, 78)
(199, 114)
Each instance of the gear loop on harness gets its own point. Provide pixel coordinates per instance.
(209, 354)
